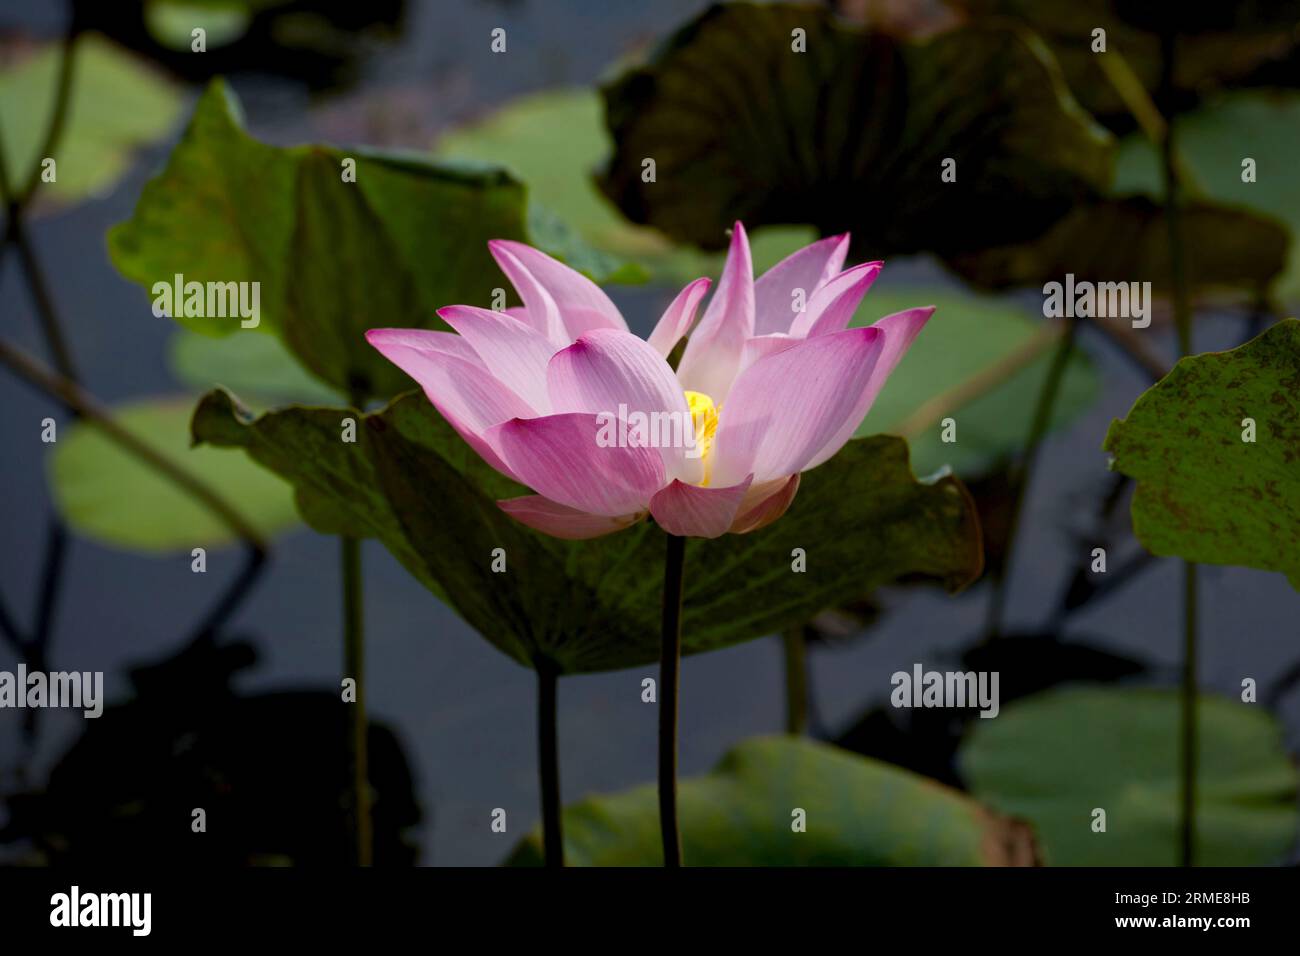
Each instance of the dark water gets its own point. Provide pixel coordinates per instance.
(463, 712)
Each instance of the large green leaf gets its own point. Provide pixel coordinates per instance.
(968, 342)
(1127, 239)
(858, 812)
(1056, 757)
(115, 106)
(1213, 142)
(409, 480)
(558, 169)
(107, 494)
(1221, 49)
(852, 134)
(333, 258)
(1203, 492)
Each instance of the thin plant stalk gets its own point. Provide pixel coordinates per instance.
(1022, 476)
(670, 661)
(1183, 323)
(796, 680)
(548, 761)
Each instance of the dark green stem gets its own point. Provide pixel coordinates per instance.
(1021, 476)
(1183, 322)
(548, 759)
(670, 661)
(354, 665)
(796, 680)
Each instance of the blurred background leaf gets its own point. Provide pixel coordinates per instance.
(1053, 758)
(1228, 248)
(1212, 142)
(981, 360)
(319, 42)
(858, 812)
(851, 135)
(1220, 45)
(559, 170)
(116, 105)
(107, 494)
(257, 367)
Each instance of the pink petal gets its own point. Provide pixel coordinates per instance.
(677, 318)
(514, 352)
(464, 393)
(540, 308)
(712, 355)
(763, 345)
(831, 308)
(696, 512)
(787, 406)
(423, 340)
(611, 373)
(769, 505)
(806, 269)
(900, 331)
(582, 304)
(560, 521)
(568, 459)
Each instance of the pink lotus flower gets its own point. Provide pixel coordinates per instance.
(546, 393)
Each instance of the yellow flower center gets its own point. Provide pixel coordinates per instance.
(704, 416)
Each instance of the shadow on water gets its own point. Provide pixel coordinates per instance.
(267, 769)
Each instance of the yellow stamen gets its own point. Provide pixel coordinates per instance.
(704, 416)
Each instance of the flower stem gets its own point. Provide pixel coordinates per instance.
(1020, 477)
(1183, 322)
(796, 680)
(548, 759)
(670, 660)
(354, 664)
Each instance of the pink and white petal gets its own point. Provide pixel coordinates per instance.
(583, 305)
(712, 355)
(808, 269)
(677, 318)
(568, 459)
(618, 375)
(465, 394)
(515, 353)
(692, 511)
(787, 406)
(560, 521)
(761, 346)
(773, 500)
(424, 340)
(831, 308)
(900, 331)
(540, 308)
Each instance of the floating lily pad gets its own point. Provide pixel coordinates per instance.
(862, 519)
(116, 105)
(857, 812)
(107, 494)
(1205, 492)
(1055, 758)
